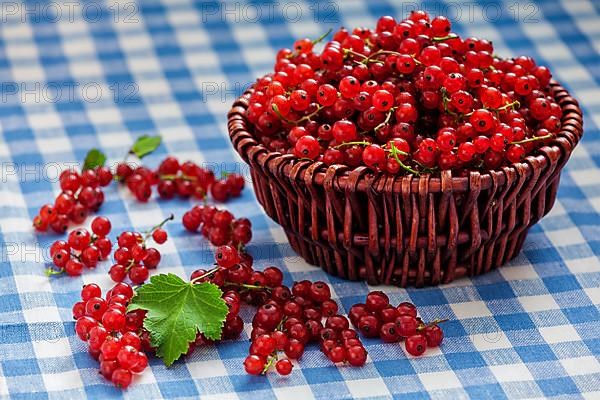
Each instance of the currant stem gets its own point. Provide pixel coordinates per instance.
(444, 38)
(322, 37)
(248, 286)
(208, 273)
(270, 362)
(514, 105)
(361, 143)
(394, 153)
(387, 119)
(155, 227)
(432, 323)
(289, 121)
(173, 177)
(51, 271)
(354, 53)
(533, 139)
(445, 100)
(314, 41)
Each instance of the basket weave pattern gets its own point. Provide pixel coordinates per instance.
(406, 230)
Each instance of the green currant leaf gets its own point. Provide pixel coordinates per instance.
(145, 145)
(177, 311)
(94, 158)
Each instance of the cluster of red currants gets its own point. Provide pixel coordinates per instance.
(174, 179)
(81, 249)
(290, 319)
(220, 227)
(111, 332)
(377, 318)
(133, 258)
(408, 96)
(286, 319)
(80, 195)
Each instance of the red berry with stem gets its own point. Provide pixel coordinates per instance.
(117, 272)
(407, 325)
(159, 235)
(254, 364)
(434, 335)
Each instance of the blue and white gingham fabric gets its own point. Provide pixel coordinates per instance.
(77, 75)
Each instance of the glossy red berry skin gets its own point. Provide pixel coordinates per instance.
(389, 332)
(377, 301)
(416, 345)
(344, 131)
(406, 308)
(369, 326)
(434, 335)
(159, 235)
(227, 256)
(121, 378)
(284, 366)
(307, 147)
(407, 325)
(254, 364)
(90, 290)
(356, 356)
(101, 226)
(79, 239)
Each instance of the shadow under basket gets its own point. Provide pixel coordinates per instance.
(406, 230)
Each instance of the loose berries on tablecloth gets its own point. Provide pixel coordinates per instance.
(378, 318)
(81, 249)
(413, 80)
(133, 257)
(110, 332)
(81, 194)
(220, 227)
(173, 178)
(286, 320)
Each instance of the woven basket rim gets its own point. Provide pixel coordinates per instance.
(565, 141)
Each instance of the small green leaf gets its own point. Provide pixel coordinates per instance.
(145, 145)
(177, 311)
(94, 158)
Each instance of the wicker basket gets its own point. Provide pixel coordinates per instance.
(406, 230)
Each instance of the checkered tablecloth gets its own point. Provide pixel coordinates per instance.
(100, 73)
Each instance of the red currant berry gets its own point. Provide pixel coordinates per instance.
(101, 226)
(416, 345)
(159, 235)
(254, 364)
